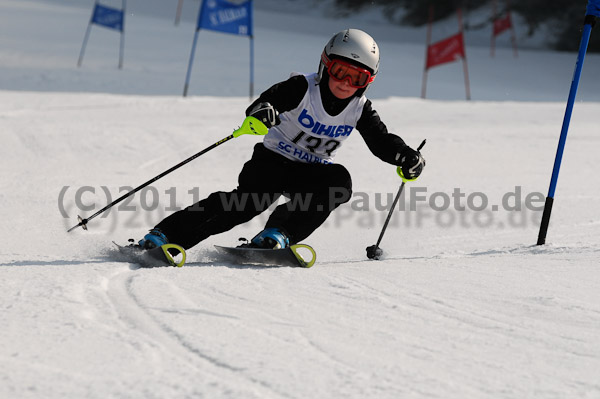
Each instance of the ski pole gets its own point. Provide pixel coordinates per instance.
(373, 251)
(251, 125)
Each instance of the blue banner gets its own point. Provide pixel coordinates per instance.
(226, 16)
(109, 17)
(593, 8)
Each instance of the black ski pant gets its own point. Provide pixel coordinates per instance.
(314, 191)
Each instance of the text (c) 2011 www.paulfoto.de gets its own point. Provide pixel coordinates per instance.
(417, 206)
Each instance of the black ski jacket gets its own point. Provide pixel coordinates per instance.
(287, 95)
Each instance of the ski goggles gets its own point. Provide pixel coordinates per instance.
(341, 70)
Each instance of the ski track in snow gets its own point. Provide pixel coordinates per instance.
(149, 327)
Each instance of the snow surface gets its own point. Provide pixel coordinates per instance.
(464, 305)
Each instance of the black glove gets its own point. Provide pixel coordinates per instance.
(265, 113)
(411, 163)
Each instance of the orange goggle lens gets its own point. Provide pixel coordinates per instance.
(341, 70)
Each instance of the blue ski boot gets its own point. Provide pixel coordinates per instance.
(153, 239)
(271, 238)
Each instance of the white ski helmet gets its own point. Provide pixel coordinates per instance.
(354, 46)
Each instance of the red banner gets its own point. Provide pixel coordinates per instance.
(447, 50)
(502, 24)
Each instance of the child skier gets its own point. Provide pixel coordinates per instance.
(309, 117)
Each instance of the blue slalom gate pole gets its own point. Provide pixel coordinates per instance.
(189, 70)
(122, 47)
(593, 10)
(218, 15)
(87, 36)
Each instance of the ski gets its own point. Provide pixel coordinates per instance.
(270, 257)
(155, 257)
